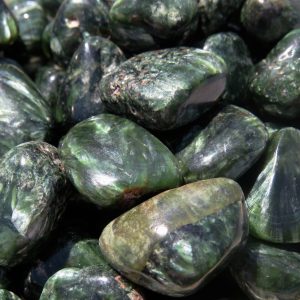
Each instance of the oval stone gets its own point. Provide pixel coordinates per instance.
(114, 162)
(9, 28)
(174, 242)
(165, 89)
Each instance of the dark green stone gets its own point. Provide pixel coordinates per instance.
(7, 295)
(88, 283)
(230, 144)
(174, 242)
(9, 28)
(25, 114)
(235, 53)
(266, 272)
(51, 6)
(74, 20)
(270, 20)
(215, 13)
(274, 201)
(31, 20)
(282, 66)
(79, 97)
(165, 89)
(32, 190)
(113, 161)
(46, 37)
(144, 25)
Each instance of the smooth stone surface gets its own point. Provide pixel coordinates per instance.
(88, 283)
(74, 20)
(32, 192)
(79, 97)
(235, 53)
(174, 242)
(270, 20)
(9, 28)
(141, 25)
(31, 20)
(274, 201)
(114, 162)
(165, 89)
(266, 272)
(230, 144)
(46, 38)
(25, 114)
(7, 295)
(282, 66)
(214, 14)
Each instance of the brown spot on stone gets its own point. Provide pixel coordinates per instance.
(118, 279)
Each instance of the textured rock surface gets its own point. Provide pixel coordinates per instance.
(7, 295)
(165, 89)
(9, 27)
(175, 241)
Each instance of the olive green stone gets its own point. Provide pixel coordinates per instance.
(165, 89)
(113, 161)
(140, 25)
(9, 28)
(88, 283)
(31, 20)
(32, 190)
(235, 53)
(266, 272)
(270, 20)
(79, 97)
(274, 201)
(174, 242)
(282, 66)
(7, 295)
(215, 13)
(25, 114)
(74, 20)
(230, 144)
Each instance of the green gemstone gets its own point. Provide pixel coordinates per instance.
(274, 201)
(79, 97)
(230, 144)
(7, 295)
(235, 53)
(174, 242)
(32, 192)
(114, 162)
(25, 115)
(165, 89)
(88, 283)
(282, 66)
(266, 272)
(9, 28)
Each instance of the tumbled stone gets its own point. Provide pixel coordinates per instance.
(174, 242)
(165, 89)
(114, 162)
(274, 201)
(230, 144)
(9, 28)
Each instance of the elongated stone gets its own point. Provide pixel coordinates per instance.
(230, 144)
(235, 53)
(175, 241)
(282, 66)
(88, 283)
(113, 161)
(142, 25)
(73, 21)
(79, 97)
(274, 201)
(32, 190)
(9, 28)
(165, 89)
(270, 20)
(266, 272)
(25, 115)
(214, 14)
(7, 295)
(31, 20)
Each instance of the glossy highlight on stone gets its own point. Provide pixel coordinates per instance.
(165, 89)
(174, 242)
(274, 201)
(9, 28)
(231, 143)
(114, 162)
